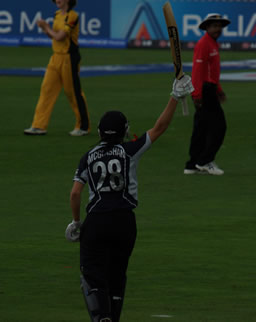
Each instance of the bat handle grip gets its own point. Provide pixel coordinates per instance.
(184, 104)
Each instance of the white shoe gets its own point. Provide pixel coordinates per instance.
(194, 171)
(190, 171)
(34, 131)
(78, 132)
(211, 168)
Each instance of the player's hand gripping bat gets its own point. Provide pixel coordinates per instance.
(175, 47)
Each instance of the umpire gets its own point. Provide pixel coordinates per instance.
(209, 120)
(108, 234)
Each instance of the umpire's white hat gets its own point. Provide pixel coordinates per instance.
(214, 17)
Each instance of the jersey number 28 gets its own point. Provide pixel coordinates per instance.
(116, 179)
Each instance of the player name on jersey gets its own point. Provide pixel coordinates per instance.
(100, 153)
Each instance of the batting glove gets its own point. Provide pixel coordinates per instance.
(72, 232)
(182, 87)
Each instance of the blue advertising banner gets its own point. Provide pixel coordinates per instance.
(242, 16)
(135, 18)
(115, 23)
(18, 21)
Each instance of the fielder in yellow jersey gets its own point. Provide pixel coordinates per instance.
(62, 71)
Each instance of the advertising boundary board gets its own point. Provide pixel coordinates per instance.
(132, 24)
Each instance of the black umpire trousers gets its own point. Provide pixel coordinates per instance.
(106, 243)
(208, 130)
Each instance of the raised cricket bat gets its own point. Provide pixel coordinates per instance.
(175, 48)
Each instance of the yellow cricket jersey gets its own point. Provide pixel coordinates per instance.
(69, 23)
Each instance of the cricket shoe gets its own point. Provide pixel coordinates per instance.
(34, 131)
(211, 168)
(194, 171)
(78, 132)
(190, 171)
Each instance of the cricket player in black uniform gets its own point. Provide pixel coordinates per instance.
(107, 236)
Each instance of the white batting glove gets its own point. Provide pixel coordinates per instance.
(182, 87)
(72, 232)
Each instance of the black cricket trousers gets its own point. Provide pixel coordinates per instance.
(208, 130)
(106, 243)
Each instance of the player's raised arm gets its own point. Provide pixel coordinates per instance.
(181, 88)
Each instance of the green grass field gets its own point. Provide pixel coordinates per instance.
(195, 257)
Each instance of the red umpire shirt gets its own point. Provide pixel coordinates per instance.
(206, 65)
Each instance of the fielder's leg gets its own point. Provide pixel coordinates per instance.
(74, 93)
(97, 301)
(50, 90)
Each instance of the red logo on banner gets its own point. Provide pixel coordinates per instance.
(253, 31)
(143, 33)
(245, 45)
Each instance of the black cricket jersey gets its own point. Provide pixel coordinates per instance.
(111, 175)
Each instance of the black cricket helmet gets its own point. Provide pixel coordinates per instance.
(71, 4)
(113, 126)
